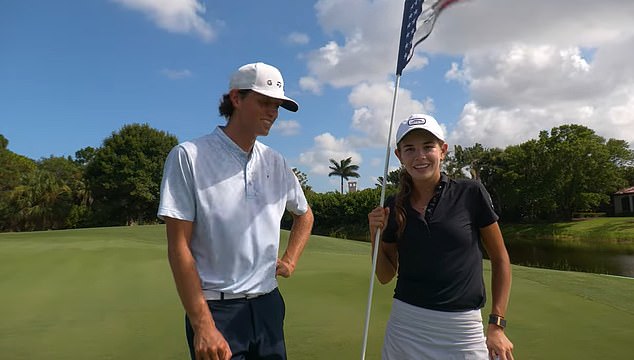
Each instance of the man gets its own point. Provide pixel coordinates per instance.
(222, 198)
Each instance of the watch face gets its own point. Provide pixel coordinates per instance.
(497, 320)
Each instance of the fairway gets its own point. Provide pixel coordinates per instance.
(107, 293)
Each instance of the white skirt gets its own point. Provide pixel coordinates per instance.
(415, 333)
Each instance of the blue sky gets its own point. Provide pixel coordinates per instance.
(73, 72)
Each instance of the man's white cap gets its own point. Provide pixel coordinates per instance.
(419, 121)
(263, 79)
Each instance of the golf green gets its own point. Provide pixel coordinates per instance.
(107, 293)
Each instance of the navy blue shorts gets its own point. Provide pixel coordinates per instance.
(254, 328)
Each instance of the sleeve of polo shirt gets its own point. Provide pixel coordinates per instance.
(295, 198)
(177, 187)
(485, 213)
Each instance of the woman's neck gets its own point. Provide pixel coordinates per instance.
(423, 191)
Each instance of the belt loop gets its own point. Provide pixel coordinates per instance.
(222, 295)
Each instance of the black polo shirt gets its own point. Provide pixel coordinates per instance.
(440, 258)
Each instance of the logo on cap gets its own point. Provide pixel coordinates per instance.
(416, 121)
(277, 83)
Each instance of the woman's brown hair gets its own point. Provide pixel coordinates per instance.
(405, 186)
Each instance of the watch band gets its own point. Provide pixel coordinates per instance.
(497, 320)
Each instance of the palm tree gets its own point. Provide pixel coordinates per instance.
(344, 169)
(37, 200)
(393, 179)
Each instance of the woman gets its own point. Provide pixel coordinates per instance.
(431, 235)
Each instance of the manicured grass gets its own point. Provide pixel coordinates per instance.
(88, 294)
(108, 294)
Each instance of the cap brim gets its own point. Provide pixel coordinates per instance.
(290, 105)
(287, 103)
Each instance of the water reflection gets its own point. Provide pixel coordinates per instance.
(549, 255)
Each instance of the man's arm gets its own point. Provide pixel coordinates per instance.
(297, 239)
(208, 342)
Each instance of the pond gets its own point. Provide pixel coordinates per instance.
(548, 255)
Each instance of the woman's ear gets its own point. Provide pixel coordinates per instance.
(443, 151)
(398, 154)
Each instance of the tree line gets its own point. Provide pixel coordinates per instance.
(115, 184)
(565, 171)
(569, 169)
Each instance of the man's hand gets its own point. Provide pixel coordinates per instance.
(284, 268)
(211, 345)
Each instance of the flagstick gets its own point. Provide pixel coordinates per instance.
(388, 152)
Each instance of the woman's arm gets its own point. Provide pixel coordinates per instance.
(387, 256)
(497, 342)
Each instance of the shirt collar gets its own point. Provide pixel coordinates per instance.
(232, 147)
(433, 202)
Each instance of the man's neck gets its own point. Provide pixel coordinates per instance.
(244, 141)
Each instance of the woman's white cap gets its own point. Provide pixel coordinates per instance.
(419, 121)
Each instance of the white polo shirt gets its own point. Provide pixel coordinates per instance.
(236, 201)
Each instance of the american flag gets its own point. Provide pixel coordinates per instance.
(415, 30)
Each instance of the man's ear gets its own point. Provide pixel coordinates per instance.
(234, 96)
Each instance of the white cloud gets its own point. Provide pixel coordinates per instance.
(327, 147)
(526, 66)
(525, 75)
(488, 24)
(522, 89)
(372, 105)
(310, 84)
(179, 16)
(377, 161)
(370, 31)
(367, 52)
(297, 38)
(495, 127)
(287, 127)
(176, 74)
(458, 74)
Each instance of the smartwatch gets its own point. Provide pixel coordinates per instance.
(497, 320)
